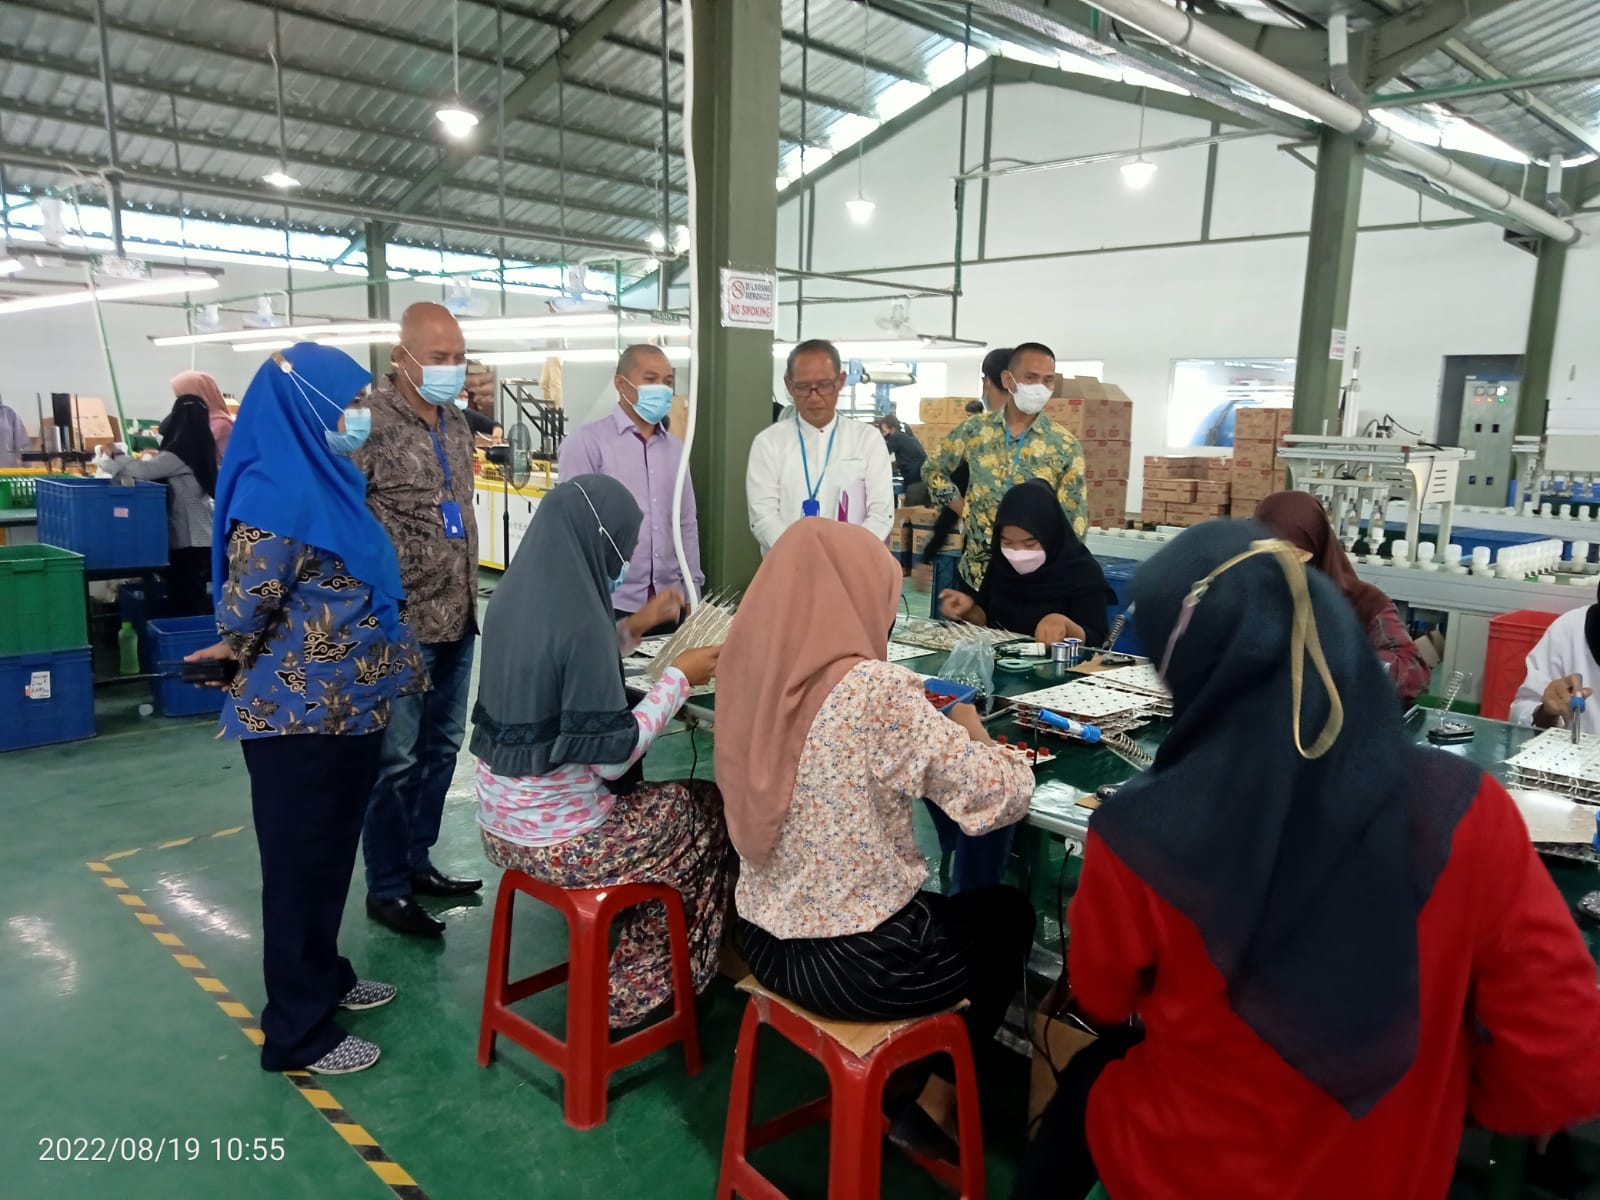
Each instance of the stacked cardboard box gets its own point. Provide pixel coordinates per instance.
(940, 414)
(1100, 416)
(1257, 471)
(913, 529)
(1181, 490)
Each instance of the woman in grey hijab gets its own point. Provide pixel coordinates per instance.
(561, 793)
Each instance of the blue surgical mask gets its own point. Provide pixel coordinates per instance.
(441, 382)
(654, 401)
(357, 421)
(616, 582)
(357, 428)
(461, 401)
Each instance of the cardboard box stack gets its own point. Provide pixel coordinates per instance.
(913, 529)
(1184, 491)
(940, 414)
(1258, 435)
(1100, 416)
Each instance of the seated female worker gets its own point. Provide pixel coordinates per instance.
(1561, 669)
(1042, 581)
(1342, 945)
(1299, 519)
(822, 747)
(561, 792)
(308, 600)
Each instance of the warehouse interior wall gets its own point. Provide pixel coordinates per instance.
(1419, 293)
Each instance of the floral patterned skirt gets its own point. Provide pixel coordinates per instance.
(671, 833)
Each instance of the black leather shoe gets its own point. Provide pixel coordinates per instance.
(405, 915)
(432, 883)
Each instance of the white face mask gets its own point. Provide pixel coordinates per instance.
(1031, 397)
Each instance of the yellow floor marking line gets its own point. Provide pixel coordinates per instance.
(393, 1175)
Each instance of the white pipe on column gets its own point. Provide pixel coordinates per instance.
(1179, 29)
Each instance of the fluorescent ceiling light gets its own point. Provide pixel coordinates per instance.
(280, 179)
(575, 325)
(529, 357)
(860, 209)
(10, 266)
(1138, 173)
(165, 286)
(896, 348)
(458, 120)
(303, 332)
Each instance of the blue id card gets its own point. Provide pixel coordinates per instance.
(451, 512)
(810, 508)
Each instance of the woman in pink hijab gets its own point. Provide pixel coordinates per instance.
(198, 383)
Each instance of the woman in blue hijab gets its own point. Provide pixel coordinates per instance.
(308, 599)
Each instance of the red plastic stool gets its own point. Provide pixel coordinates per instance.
(854, 1104)
(588, 1056)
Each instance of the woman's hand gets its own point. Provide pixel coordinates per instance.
(699, 665)
(956, 605)
(967, 717)
(221, 652)
(1057, 628)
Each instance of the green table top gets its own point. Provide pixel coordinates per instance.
(1079, 769)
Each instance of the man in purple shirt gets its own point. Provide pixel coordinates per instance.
(632, 446)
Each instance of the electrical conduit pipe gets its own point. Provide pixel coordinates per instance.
(1180, 30)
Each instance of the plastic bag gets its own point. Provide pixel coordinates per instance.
(971, 663)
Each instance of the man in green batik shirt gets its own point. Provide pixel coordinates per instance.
(1004, 448)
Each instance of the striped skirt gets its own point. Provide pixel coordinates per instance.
(934, 953)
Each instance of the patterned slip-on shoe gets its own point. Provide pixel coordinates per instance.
(368, 993)
(349, 1056)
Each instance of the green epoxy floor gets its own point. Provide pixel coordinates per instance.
(104, 1035)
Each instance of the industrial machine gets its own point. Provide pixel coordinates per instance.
(1488, 425)
(1359, 477)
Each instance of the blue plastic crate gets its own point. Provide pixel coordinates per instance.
(114, 526)
(169, 641)
(46, 698)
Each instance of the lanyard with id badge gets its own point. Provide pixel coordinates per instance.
(449, 508)
(810, 506)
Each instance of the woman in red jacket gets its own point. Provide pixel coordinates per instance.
(1341, 947)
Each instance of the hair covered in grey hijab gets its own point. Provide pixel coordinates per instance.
(550, 686)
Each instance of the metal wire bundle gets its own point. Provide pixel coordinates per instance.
(707, 625)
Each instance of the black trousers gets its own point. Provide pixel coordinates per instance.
(189, 581)
(308, 794)
(928, 957)
(1057, 1162)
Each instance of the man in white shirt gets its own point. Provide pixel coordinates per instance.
(1561, 668)
(814, 463)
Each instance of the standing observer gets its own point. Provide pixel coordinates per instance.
(418, 464)
(308, 596)
(817, 464)
(631, 445)
(1004, 448)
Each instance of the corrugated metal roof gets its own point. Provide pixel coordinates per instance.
(361, 84)
(360, 87)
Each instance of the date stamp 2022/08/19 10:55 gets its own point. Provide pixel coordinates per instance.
(169, 1149)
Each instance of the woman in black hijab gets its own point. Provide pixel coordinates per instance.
(1042, 581)
(187, 465)
(1340, 944)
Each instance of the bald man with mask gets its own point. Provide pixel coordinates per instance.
(418, 463)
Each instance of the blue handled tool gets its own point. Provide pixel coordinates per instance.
(1576, 709)
(1077, 729)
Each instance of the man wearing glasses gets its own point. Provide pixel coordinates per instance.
(815, 464)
